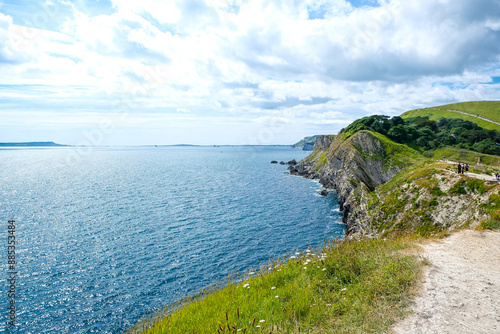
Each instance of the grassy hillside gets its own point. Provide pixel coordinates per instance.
(350, 287)
(491, 163)
(486, 109)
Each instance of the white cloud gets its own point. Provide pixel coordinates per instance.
(253, 58)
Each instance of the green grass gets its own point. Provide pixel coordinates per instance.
(399, 154)
(462, 155)
(320, 161)
(356, 287)
(492, 207)
(487, 109)
(468, 185)
(490, 225)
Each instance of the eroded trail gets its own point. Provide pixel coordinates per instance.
(461, 289)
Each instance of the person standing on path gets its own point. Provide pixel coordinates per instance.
(467, 168)
(459, 168)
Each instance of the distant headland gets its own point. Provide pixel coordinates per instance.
(32, 144)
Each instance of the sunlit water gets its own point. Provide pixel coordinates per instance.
(120, 233)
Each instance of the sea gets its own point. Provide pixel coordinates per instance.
(107, 236)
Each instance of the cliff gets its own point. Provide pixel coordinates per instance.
(384, 187)
(306, 144)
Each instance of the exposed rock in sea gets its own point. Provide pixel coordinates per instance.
(323, 192)
(292, 162)
(282, 163)
(274, 162)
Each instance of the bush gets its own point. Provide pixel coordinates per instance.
(458, 188)
(476, 185)
(428, 154)
(436, 191)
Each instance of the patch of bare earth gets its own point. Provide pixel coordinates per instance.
(461, 288)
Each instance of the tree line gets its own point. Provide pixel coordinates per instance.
(429, 134)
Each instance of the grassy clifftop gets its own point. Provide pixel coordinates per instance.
(349, 287)
(488, 112)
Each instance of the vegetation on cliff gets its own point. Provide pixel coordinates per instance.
(428, 198)
(425, 134)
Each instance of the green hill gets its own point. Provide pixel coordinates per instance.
(486, 114)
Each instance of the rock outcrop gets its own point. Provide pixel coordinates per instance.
(376, 198)
(306, 144)
(308, 147)
(323, 142)
(341, 164)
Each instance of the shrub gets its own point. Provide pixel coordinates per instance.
(476, 185)
(436, 191)
(458, 188)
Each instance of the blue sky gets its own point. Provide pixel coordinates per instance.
(234, 71)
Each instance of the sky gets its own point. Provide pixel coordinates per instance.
(260, 72)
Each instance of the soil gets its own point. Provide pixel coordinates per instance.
(460, 292)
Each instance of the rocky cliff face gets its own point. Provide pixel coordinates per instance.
(343, 165)
(306, 144)
(362, 170)
(323, 142)
(308, 147)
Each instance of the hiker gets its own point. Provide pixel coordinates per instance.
(467, 168)
(459, 168)
(444, 159)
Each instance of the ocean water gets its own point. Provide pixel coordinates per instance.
(117, 234)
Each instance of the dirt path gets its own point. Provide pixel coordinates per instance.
(489, 178)
(461, 288)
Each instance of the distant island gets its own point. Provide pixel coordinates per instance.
(32, 144)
